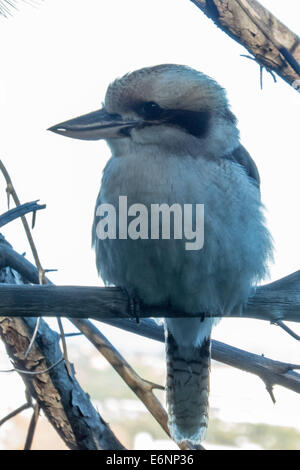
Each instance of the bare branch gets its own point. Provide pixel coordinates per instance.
(270, 391)
(287, 329)
(32, 427)
(273, 45)
(20, 211)
(279, 373)
(29, 372)
(269, 371)
(15, 412)
(42, 278)
(12, 192)
(65, 404)
(142, 388)
(279, 300)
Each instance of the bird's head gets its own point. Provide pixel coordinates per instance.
(168, 105)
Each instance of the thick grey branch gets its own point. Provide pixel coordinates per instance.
(279, 300)
(272, 371)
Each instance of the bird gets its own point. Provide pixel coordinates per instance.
(174, 140)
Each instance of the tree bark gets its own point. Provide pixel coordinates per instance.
(273, 45)
(60, 396)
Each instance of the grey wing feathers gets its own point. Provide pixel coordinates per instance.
(243, 158)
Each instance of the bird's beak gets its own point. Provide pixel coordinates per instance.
(95, 126)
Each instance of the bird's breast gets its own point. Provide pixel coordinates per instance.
(236, 242)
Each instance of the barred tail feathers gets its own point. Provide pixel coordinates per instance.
(187, 389)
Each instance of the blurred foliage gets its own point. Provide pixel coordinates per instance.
(264, 435)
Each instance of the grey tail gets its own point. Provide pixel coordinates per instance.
(187, 390)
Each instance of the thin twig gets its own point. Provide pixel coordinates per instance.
(64, 346)
(261, 69)
(20, 211)
(66, 405)
(269, 387)
(12, 192)
(33, 337)
(42, 278)
(32, 427)
(28, 372)
(287, 329)
(15, 412)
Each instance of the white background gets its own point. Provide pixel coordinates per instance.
(56, 63)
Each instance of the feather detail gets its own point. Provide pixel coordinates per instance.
(187, 390)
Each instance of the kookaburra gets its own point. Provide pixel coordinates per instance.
(174, 139)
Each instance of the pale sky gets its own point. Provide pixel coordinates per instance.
(56, 62)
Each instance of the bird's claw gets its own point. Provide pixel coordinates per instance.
(134, 308)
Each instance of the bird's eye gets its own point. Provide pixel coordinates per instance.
(151, 110)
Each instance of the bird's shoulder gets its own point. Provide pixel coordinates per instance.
(241, 156)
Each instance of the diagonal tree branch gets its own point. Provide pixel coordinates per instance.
(65, 404)
(270, 371)
(142, 388)
(273, 45)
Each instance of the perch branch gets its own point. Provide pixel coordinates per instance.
(279, 373)
(273, 45)
(272, 302)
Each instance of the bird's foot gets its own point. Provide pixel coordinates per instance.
(134, 306)
(202, 316)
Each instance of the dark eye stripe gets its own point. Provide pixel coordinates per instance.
(194, 122)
